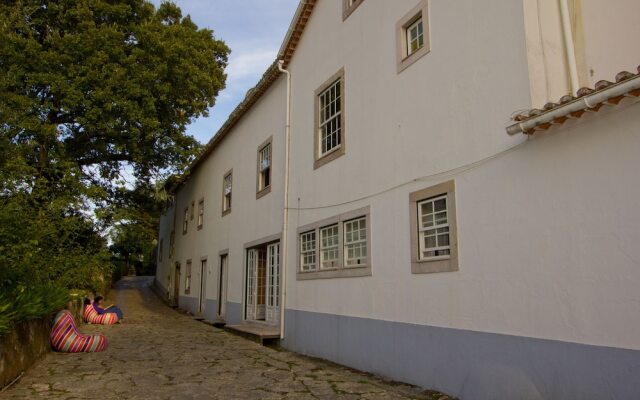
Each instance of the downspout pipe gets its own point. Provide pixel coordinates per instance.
(285, 222)
(569, 45)
(582, 103)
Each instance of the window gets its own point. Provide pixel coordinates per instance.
(412, 33)
(337, 247)
(187, 279)
(434, 244)
(329, 116)
(415, 36)
(185, 221)
(348, 6)
(226, 193)
(264, 169)
(308, 251)
(329, 245)
(355, 242)
(192, 210)
(200, 213)
(172, 242)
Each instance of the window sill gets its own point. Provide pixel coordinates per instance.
(346, 272)
(226, 212)
(263, 192)
(432, 266)
(330, 156)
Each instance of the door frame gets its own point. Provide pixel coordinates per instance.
(223, 277)
(264, 242)
(176, 283)
(202, 298)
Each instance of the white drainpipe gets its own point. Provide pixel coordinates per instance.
(285, 222)
(568, 45)
(582, 103)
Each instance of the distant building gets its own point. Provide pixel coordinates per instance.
(402, 230)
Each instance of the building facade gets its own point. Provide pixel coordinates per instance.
(366, 203)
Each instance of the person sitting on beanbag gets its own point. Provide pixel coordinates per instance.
(110, 309)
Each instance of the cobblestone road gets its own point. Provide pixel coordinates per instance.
(160, 353)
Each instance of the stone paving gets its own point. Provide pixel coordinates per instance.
(160, 353)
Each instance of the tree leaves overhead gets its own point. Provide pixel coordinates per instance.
(105, 84)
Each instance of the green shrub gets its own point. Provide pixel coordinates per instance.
(31, 303)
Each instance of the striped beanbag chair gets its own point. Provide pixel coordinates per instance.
(91, 316)
(66, 338)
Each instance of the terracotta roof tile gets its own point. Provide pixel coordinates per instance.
(583, 92)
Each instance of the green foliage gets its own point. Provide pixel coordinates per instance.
(94, 92)
(30, 303)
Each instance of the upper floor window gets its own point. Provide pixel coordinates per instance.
(200, 213)
(187, 279)
(355, 242)
(192, 209)
(185, 220)
(226, 193)
(434, 245)
(330, 137)
(348, 6)
(412, 33)
(308, 251)
(264, 169)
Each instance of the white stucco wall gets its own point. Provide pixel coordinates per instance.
(527, 263)
(250, 219)
(605, 43)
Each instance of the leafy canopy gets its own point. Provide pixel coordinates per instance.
(94, 92)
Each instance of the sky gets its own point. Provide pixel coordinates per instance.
(254, 30)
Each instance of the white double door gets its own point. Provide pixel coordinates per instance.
(263, 283)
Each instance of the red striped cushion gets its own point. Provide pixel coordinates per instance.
(91, 316)
(66, 338)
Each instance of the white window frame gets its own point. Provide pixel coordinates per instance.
(355, 244)
(200, 213)
(264, 168)
(349, 6)
(419, 26)
(187, 278)
(227, 191)
(332, 247)
(308, 251)
(185, 221)
(440, 229)
(438, 263)
(405, 55)
(330, 116)
(341, 268)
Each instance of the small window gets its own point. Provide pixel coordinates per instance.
(226, 193)
(412, 33)
(355, 242)
(187, 279)
(349, 6)
(192, 210)
(264, 169)
(415, 36)
(172, 243)
(330, 133)
(200, 213)
(329, 245)
(337, 247)
(185, 221)
(308, 251)
(434, 245)
(433, 228)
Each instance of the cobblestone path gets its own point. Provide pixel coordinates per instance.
(160, 353)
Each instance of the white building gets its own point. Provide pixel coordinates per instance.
(378, 200)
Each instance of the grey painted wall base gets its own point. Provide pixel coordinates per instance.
(211, 310)
(188, 304)
(467, 364)
(234, 313)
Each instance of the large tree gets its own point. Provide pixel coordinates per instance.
(94, 93)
